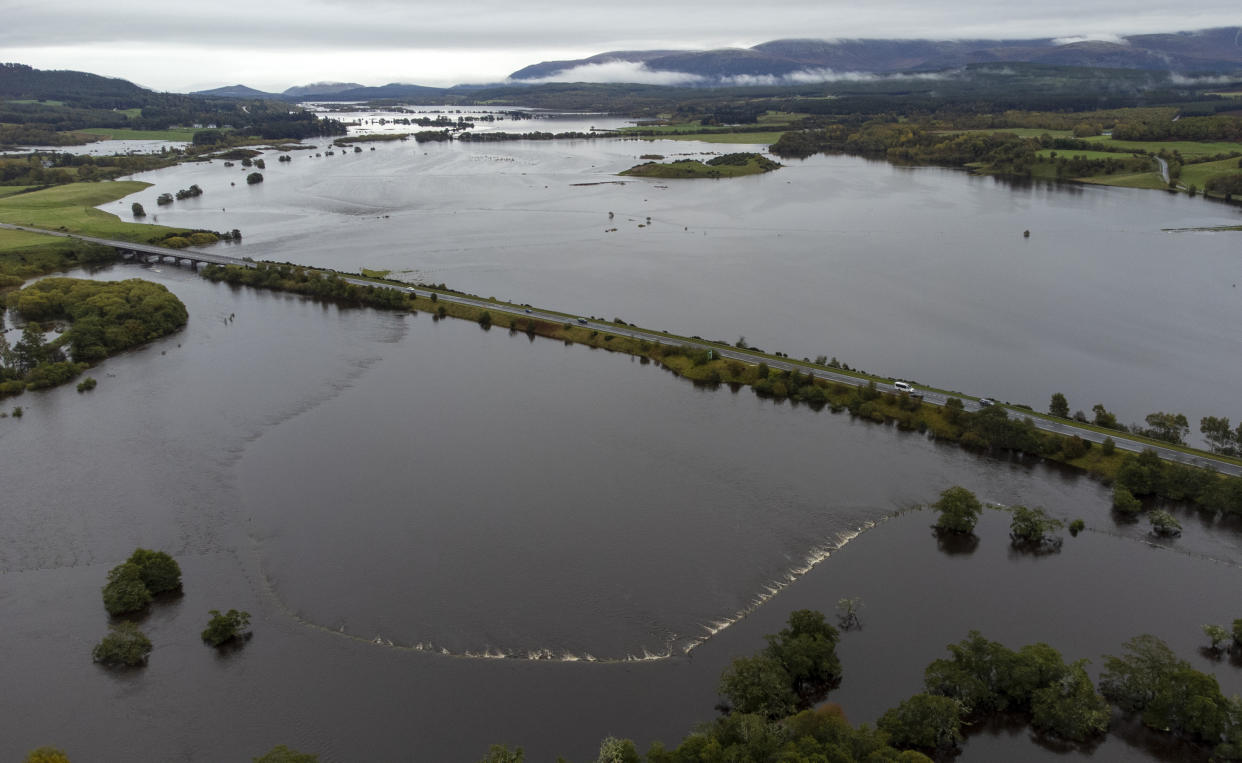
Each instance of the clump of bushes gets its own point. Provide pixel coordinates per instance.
(227, 627)
(133, 584)
(124, 645)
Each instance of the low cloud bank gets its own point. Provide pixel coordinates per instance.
(636, 72)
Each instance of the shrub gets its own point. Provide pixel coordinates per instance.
(176, 242)
(124, 645)
(137, 210)
(1125, 502)
(47, 755)
(1076, 527)
(222, 629)
(159, 571)
(125, 592)
(254, 177)
(87, 384)
(1108, 447)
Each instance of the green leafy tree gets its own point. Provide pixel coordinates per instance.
(1165, 691)
(159, 571)
(1164, 524)
(959, 510)
(1033, 528)
(614, 750)
(1109, 446)
(124, 645)
(924, 721)
(806, 649)
(125, 592)
(283, 754)
(1059, 406)
(758, 685)
(1125, 502)
(1220, 438)
(499, 753)
(1103, 418)
(1069, 707)
(254, 178)
(1170, 427)
(1217, 635)
(137, 210)
(223, 628)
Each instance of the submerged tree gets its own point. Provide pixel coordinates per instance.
(124, 645)
(959, 510)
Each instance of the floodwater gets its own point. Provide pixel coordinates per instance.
(451, 537)
(366, 484)
(916, 273)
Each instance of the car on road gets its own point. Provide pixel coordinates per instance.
(582, 321)
(901, 386)
(984, 402)
(528, 309)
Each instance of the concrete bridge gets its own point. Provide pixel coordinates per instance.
(147, 252)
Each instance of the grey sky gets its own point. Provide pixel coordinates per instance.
(278, 43)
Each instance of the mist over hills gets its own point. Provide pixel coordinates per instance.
(1206, 51)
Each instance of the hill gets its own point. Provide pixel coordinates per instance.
(1206, 51)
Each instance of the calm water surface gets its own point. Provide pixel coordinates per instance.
(350, 476)
(918, 273)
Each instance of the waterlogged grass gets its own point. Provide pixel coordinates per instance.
(71, 208)
(1151, 180)
(376, 274)
(125, 133)
(754, 164)
(755, 138)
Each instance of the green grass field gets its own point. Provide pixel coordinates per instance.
(16, 240)
(1048, 152)
(1186, 147)
(1199, 174)
(32, 100)
(122, 133)
(72, 208)
(1021, 132)
(9, 190)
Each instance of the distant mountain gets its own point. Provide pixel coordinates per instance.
(360, 93)
(235, 91)
(320, 88)
(1210, 50)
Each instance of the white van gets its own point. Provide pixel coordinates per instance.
(903, 387)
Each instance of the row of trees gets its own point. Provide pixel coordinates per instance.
(326, 286)
(1168, 427)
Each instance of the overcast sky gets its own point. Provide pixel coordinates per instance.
(274, 44)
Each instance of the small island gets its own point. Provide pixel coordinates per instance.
(727, 165)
